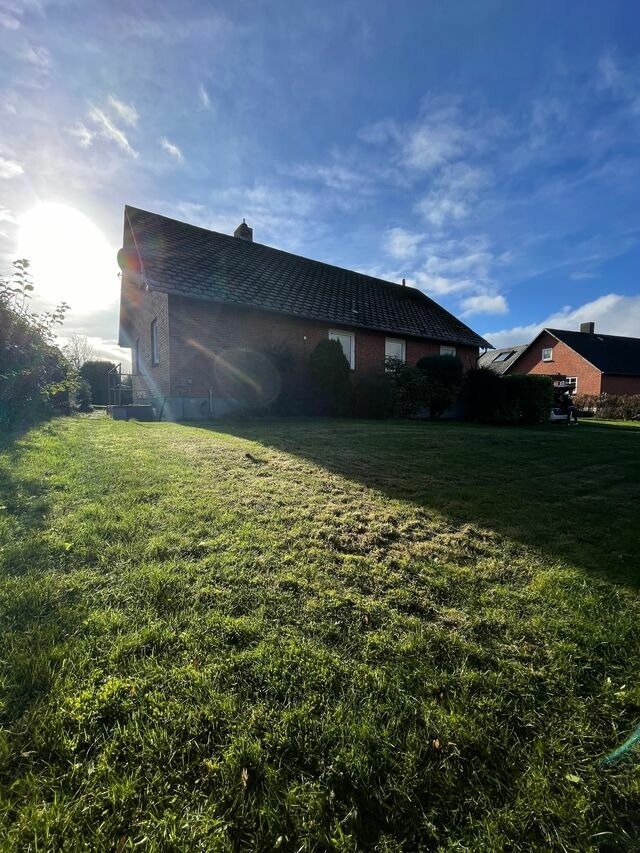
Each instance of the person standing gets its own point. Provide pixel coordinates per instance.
(566, 404)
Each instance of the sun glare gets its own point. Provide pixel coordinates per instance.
(71, 260)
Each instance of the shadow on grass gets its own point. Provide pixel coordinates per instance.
(36, 612)
(571, 493)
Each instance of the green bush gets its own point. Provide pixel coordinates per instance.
(483, 394)
(408, 385)
(372, 397)
(528, 398)
(33, 371)
(614, 407)
(331, 378)
(95, 372)
(443, 382)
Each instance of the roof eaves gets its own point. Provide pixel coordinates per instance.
(320, 318)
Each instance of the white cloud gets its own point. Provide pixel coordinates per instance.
(108, 130)
(484, 303)
(82, 133)
(10, 168)
(613, 315)
(402, 244)
(127, 112)
(38, 56)
(171, 149)
(8, 20)
(205, 100)
(453, 193)
(335, 176)
(440, 285)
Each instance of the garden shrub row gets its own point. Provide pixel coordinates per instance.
(614, 407)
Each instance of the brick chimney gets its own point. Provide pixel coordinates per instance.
(587, 328)
(244, 232)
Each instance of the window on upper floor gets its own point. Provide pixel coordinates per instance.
(547, 353)
(446, 350)
(347, 341)
(155, 355)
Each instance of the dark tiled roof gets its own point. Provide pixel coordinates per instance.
(189, 261)
(500, 360)
(609, 353)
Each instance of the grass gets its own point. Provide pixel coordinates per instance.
(319, 635)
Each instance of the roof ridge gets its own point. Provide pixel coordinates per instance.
(283, 252)
(595, 334)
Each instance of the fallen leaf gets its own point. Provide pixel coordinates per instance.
(573, 778)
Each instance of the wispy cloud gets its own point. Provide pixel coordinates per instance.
(127, 112)
(484, 303)
(37, 55)
(205, 100)
(172, 149)
(106, 128)
(82, 133)
(453, 193)
(402, 244)
(10, 168)
(335, 176)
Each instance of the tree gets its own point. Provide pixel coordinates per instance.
(443, 381)
(96, 373)
(78, 350)
(331, 377)
(34, 374)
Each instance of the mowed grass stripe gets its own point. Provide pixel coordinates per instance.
(319, 635)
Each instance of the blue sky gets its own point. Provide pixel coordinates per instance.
(487, 151)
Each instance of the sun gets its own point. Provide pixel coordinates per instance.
(70, 258)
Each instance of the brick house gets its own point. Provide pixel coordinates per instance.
(598, 364)
(198, 308)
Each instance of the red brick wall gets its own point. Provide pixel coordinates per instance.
(151, 380)
(199, 330)
(621, 384)
(565, 361)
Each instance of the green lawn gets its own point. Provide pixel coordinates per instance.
(319, 635)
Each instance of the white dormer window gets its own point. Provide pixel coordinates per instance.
(547, 353)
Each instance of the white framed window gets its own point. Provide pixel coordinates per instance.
(446, 350)
(547, 353)
(574, 382)
(155, 355)
(395, 348)
(347, 341)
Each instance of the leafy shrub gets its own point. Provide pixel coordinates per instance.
(443, 382)
(96, 372)
(483, 394)
(408, 385)
(331, 378)
(528, 398)
(293, 398)
(614, 407)
(372, 397)
(34, 373)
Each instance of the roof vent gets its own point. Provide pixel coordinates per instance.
(244, 232)
(587, 328)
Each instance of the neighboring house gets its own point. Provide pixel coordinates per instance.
(597, 364)
(500, 360)
(192, 299)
